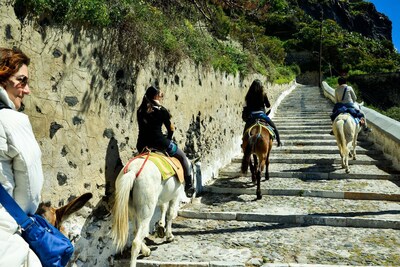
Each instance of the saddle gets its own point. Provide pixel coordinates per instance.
(168, 166)
(340, 108)
(260, 123)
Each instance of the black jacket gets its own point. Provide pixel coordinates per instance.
(150, 128)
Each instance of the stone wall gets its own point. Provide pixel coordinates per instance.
(84, 99)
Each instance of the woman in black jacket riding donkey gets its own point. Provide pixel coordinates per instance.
(151, 116)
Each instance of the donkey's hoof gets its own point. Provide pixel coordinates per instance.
(347, 171)
(170, 238)
(160, 231)
(145, 250)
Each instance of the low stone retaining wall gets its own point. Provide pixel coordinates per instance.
(385, 131)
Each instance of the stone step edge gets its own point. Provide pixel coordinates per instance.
(304, 220)
(304, 193)
(318, 175)
(151, 263)
(333, 150)
(328, 162)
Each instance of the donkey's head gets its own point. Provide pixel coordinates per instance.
(56, 216)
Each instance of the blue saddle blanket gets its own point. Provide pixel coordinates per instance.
(340, 108)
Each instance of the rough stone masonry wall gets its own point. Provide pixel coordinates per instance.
(84, 99)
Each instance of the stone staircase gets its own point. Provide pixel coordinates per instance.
(311, 212)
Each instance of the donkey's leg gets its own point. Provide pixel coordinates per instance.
(267, 167)
(254, 168)
(160, 228)
(138, 242)
(143, 214)
(258, 191)
(353, 147)
(346, 158)
(170, 216)
(261, 166)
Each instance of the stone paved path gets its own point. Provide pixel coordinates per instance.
(312, 213)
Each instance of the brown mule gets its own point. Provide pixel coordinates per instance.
(257, 142)
(56, 216)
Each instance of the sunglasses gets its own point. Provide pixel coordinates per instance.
(23, 80)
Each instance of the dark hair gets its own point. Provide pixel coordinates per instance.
(255, 95)
(151, 92)
(341, 80)
(11, 60)
(148, 100)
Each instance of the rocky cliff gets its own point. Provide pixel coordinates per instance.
(355, 16)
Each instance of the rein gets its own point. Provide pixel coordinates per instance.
(132, 159)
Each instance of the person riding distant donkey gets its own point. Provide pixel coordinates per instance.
(345, 99)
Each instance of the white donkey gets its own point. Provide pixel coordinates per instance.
(346, 132)
(139, 189)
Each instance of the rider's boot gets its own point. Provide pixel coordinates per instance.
(364, 125)
(278, 139)
(366, 129)
(189, 190)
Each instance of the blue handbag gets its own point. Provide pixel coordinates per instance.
(49, 244)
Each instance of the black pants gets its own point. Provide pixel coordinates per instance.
(180, 155)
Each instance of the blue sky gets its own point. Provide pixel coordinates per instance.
(391, 8)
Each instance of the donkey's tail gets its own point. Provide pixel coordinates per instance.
(120, 221)
(246, 157)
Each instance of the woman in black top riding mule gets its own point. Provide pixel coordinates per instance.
(256, 102)
(151, 116)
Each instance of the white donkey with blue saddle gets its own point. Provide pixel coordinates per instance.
(346, 128)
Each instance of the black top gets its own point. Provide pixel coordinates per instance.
(256, 105)
(150, 128)
(260, 105)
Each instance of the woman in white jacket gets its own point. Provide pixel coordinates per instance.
(20, 158)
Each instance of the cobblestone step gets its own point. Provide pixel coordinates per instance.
(329, 170)
(323, 161)
(317, 137)
(298, 184)
(290, 206)
(324, 131)
(318, 174)
(305, 193)
(298, 143)
(305, 127)
(301, 118)
(280, 122)
(227, 243)
(315, 152)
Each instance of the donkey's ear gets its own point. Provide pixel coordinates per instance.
(73, 206)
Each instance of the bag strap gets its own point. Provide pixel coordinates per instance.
(2, 105)
(344, 92)
(12, 207)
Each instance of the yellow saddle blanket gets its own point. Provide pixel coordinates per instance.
(168, 166)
